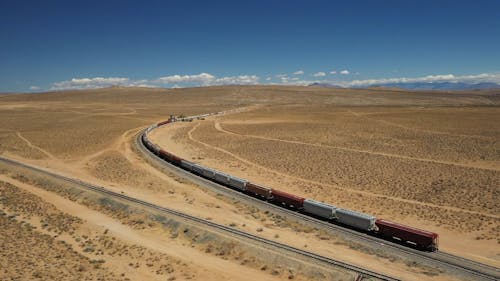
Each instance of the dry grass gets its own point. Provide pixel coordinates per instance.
(40, 257)
(74, 124)
(37, 254)
(435, 164)
(114, 167)
(109, 250)
(87, 134)
(78, 123)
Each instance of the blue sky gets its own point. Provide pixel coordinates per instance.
(84, 44)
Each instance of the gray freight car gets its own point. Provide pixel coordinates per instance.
(319, 209)
(237, 183)
(155, 148)
(222, 178)
(354, 219)
(208, 173)
(197, 169)
(187, 165)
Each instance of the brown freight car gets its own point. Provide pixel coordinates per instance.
(287, 199)
(258, 190)
(421, 238)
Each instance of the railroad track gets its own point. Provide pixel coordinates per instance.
(461, 266)
(362, 273)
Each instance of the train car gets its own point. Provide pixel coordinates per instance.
(163, 154)
(221, 178)
(150, 128)
(421, 238)
(287, 199)
(176, 160)
(149, 145)
(155, 149)
(319, 209)
(259, 190)
(237, 183)
(187, 165)
(162, 123)
(355, 219)
(207, 172)
(144, 139)
(169, 156)
(197, 169)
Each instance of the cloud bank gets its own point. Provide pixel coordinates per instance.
(207, 79)
(173, 81)
(471, 79)
(90, 83)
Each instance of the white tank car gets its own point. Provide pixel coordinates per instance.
(187, 165)
(237, 183)
(222, 178)
(196, 168)
(319, 209)
(207, 172)
(357, 220)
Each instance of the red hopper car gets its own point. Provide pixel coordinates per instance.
(175, 159)
(261, 191)
(288, 199)
(423, 239)
(163, 154)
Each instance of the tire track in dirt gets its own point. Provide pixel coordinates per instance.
(117, 145)
(417, 129)
(30, 144)
(349, 190)
(219, 128)
(123, 145)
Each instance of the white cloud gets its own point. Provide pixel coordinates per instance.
(333, 72)
(202, 79)
(241, 79)
(34, 88)
(90, 83)
(206, 79)
(298, 72)
(344, 72)
(477, 78)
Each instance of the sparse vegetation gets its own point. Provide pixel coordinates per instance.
(88, 134)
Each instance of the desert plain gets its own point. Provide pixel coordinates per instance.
(427, 159)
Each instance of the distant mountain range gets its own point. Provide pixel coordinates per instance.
(323, 85)
(424, 86)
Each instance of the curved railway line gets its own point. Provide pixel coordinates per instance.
(460, 266)
(362, 273)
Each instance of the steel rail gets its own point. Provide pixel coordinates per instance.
(476, 269)
(329, 261)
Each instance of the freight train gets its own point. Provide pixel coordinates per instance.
(417, 238)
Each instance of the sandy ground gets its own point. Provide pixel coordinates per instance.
(190, 262)
(88, 135)
(441, 175)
